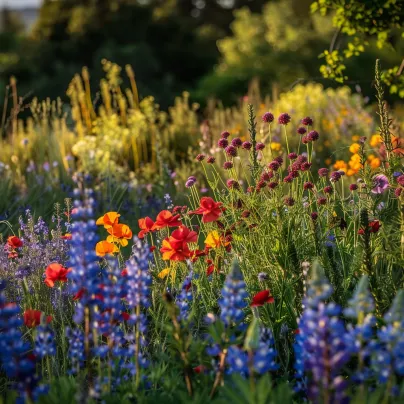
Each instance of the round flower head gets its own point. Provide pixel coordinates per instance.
(279, 159)
(353, 187)
(289, 201)
(335, 176)
(246, 145)
(381, 184)
(225, 134)
(313, 135)
(284, 119)
(305, 166)
(259, 146)
(323, 172)
(190, 182)
(272, 185)
(292, 156)
(301, 130)
(305, 139)
(223, 143)
(268, 117)
(210, 160)
(233, 184)
(274, 165)
(307, 121)
(227, 165)
(400, 180)
(266, 176)
(308, 185)
(397, 192)
(328, 189)
(322, 201)
(200, 157)
(288, 179)
(314, 215)
(231, 151)
(236, 142)
(262, 277)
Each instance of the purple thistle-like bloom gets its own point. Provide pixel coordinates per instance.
(224, 134)
(301, 130)
(381, 184)
(190, 181)
(335, 176)
(227, 165)
(263, 276)
(223, 143)
(284, 119)
(307, 121)
(292, 156)
(236, 142)
(268, 117)
(274, 165)
(247, 145)
(231, 151)
(232, 184)
(323, 172)
(234, 295)
(313, 136)
(400, 180)
(259, 146)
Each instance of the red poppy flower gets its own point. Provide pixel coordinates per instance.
(374, 226)
(185, 235)
(261, 298)
(209, 270)
(79, 294)
(174, 250)
(14, 242)
(361, 231)
(152, 248)
(166, 218)
(209, 209)
(56, 272)
(199, 369)
(124, 272)
(32, 318)
(145, 225)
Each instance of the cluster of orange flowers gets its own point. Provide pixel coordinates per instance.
(119, 234)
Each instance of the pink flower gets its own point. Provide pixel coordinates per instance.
(381, 184)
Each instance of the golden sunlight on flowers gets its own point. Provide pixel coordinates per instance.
(215, 240)
(341, 165)
(119, 233)
(354, 148)
(164, 273)
(375, 140)
(276, 146)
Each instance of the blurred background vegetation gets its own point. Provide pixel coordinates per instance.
(210, 48)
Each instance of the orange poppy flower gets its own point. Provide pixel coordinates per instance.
(14, 242)
(67, 236)
(174, 250)
(146, 226)
(105, 247)
(56, 272)
(166, 218)
(119, 233)
(209, 209)
(108, 220)
(32, 318)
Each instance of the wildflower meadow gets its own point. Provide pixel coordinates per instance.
(251, 255)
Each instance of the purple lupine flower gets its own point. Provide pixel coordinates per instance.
(380, 184)
(44, 341)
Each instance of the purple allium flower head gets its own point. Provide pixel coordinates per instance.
(272, 185)
(353, 187)
(308, 185)
(323, 172)
(284, 119)
(225, 134)
(210, 160)
(301, 130)
(307, 121)
(289, 201)
(279, 159)
(223, 143)
(232, 184)
(247, 145)
(335, 176)
(381, 184)
(400, 180)
(313, 135)
(267, 175)
(274, 165)
(328, 189)
(190, 181)
(321, 200)
(236, 142)
(231, 151)
(305, 166)
(259, 146)
(314, 215)
(305, 139)
(200, 157)
(268, 117)
(227, 165)
(292, 156)
(288, 179)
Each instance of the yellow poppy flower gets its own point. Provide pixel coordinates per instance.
(164, 273)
